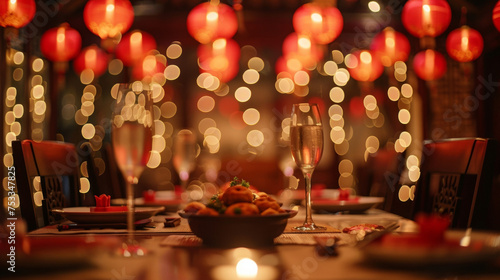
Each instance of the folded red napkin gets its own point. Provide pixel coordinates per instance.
(102, 204)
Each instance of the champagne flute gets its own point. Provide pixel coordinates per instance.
(132, 137)
(306, 143)
(185, 153)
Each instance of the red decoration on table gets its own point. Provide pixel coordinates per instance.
(323, 23)
(344, 194)
(432, 227)
(426, 17)
(61, 43)
(17, 13)
(209, 21)
(464, 44)
(108, 18)
(149, 195)
(103, 200)
(103, 204)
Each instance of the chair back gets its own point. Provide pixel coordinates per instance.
(103, 173)
(47, 175)
(456, 179)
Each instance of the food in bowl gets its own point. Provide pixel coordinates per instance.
(240, 224)
(236, 200)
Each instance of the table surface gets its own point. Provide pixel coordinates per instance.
(282, 261)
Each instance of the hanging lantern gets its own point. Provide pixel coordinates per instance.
(61, 43)
(220, 58)
(209, 21)
(364, 66)
(464, 44)
(288, 65)
(429, 65)
(322, 23)
(300, 47)
(496, 16)
(16, 13)
(92, 58)
(108, 18)
(134, 46)
(151, 69)
(390, 46)
(426, 17)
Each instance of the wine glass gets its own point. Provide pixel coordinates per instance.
(132, 137)
(306, 143)
(184, 155)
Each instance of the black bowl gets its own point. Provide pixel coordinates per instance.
(238, 231)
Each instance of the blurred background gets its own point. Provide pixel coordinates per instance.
(374, 125)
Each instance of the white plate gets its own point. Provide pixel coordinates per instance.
(449, 254)
(171, 205)
(84, 216)
(354, 204)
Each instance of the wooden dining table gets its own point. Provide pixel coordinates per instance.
(175, 253)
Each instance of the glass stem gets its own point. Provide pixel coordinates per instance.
(307, 179)
(130, 211)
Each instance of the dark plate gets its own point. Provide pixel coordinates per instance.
(238, 231)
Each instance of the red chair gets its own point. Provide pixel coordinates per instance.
(47, 177)
(456, 179)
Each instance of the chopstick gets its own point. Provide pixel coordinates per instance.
(138, 225)
(377, 234)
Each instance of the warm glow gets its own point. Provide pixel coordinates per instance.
(374, 6)
(206, 104)
(242, 94)
(251, 116)
(247, 268)
(255, 138)
(337, 94)
(393, 93)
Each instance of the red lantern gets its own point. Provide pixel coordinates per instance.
(16, 13)
(390, 46)
(220, 58)
(134, 46)
(496, 16)
(426, 17)
(61, 43)
(150, 69)
(92, 58)
(288, 65)
(300, 47)
(364, 66)
(429, 65)
(464, 44)
(323, 24)
(108, 18)
(207, 22)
